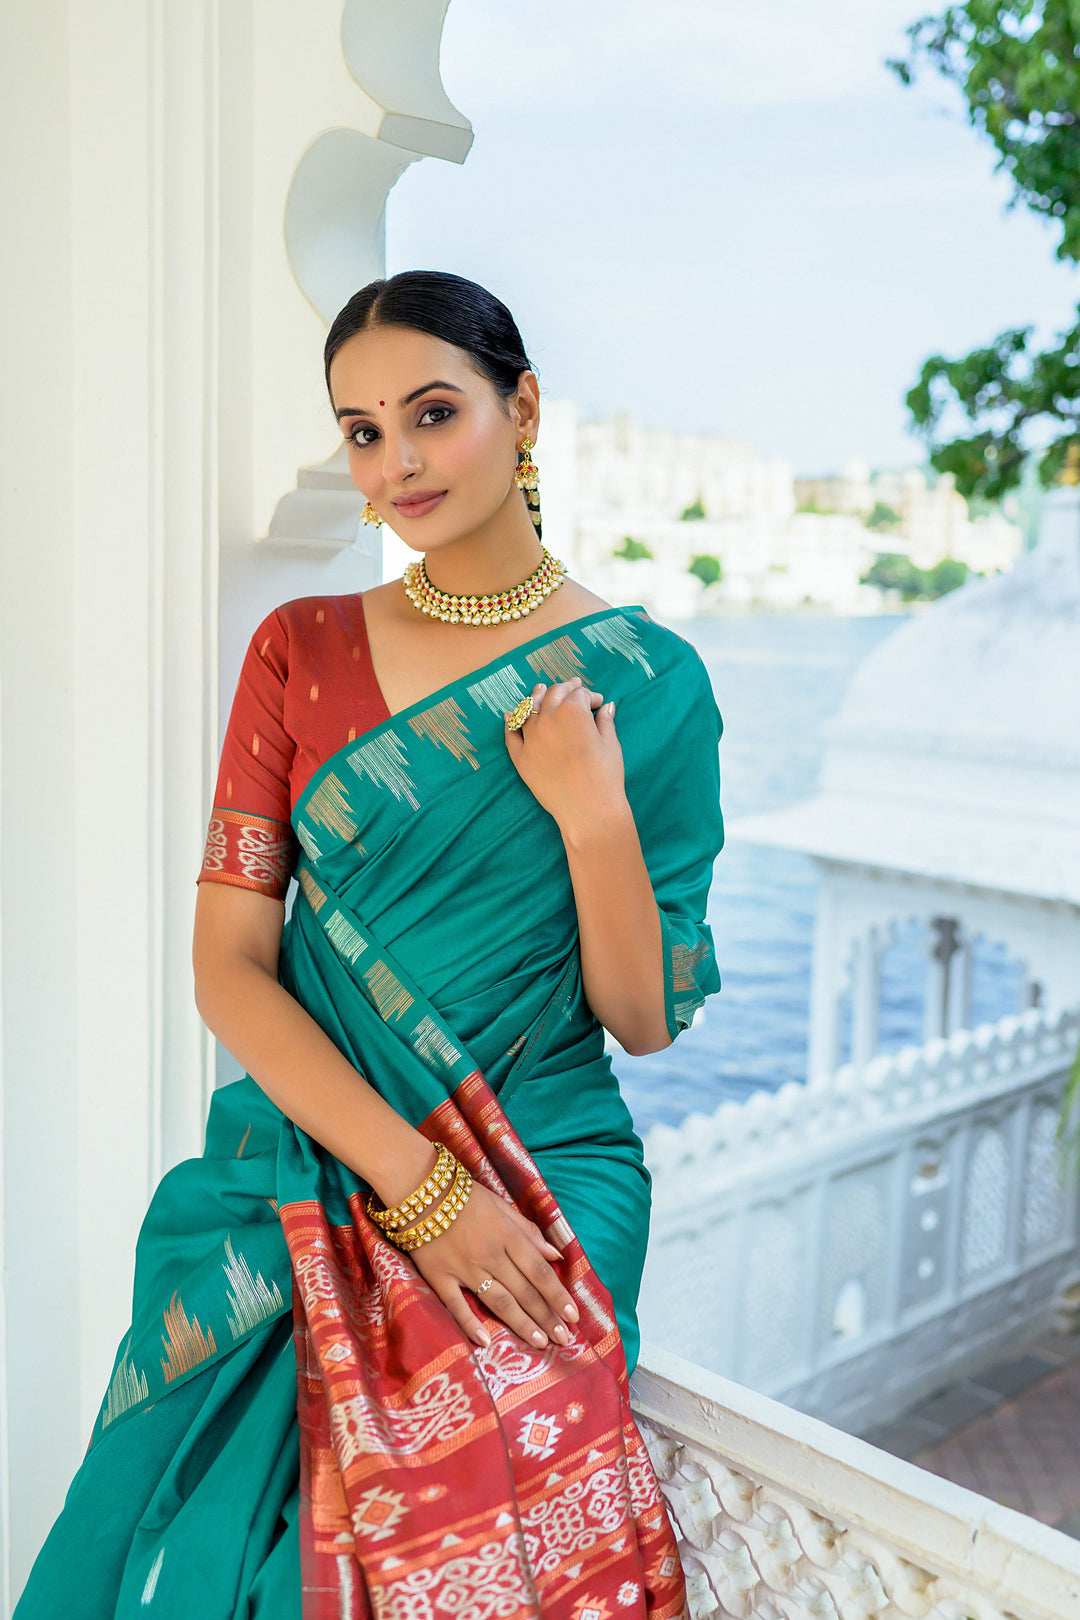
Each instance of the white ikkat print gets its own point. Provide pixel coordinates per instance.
(505, 1363)
(573, 1521)
(438, 1410)
(644, 1490)
(486, 1585)
(377, 1512)
(592, 1608)
(538, 1435)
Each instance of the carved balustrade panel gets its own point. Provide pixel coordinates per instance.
(780, 1517)
(850, 1244)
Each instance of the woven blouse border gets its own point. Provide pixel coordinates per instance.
(249, 851)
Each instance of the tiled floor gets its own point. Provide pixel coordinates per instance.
(1012, 1434)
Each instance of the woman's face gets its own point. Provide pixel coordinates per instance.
(420, 420)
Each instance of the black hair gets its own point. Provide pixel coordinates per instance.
(444, 306)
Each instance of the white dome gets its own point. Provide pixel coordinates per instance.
(955, 755)
(992, 670)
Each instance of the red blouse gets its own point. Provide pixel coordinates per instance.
(307, 687)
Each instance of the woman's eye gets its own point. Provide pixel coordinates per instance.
(364, 427)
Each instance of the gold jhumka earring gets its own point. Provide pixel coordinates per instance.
(370, 515)
(526, 479)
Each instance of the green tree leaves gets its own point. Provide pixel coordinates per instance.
(882, 516)
(632, 550)
(1017, 66)
(892, 571)
(707, 569)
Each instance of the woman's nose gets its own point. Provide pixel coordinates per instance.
(399, 457)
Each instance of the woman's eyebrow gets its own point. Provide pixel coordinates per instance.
(408, 399)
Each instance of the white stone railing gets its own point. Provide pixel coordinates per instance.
(780, 1517)
(852, 1244)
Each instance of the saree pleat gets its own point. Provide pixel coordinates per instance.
(190, 1500)
(295, 1426)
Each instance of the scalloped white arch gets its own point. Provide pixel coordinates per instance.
(335, 213)
(393, 54)
(336, 204)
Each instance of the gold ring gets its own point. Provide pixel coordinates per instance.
(520, 713)
(485, 1285)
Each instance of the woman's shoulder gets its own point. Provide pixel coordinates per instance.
(305, 621)
(588, 604)
(687, 678)
(678, 649)
(308, 612)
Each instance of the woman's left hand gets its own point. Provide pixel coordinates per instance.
(568, 755)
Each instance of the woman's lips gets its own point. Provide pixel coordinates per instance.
(414, 508)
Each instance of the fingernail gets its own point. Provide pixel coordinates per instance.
(539, 1338)
(571, 1312)
(561, 1333)
(611, 709)
(485, 1338)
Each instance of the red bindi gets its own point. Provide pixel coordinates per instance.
(382, 402)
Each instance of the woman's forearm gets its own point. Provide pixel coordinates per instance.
(622, 965)
(301, 1070)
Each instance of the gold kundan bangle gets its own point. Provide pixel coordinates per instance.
(448, 1211)
(403, 1214)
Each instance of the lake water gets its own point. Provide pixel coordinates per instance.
(776, 680)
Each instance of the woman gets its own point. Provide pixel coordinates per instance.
(382, 1327)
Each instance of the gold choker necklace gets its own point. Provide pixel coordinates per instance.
(515, 603)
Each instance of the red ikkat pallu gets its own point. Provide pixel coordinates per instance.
(441, 1479)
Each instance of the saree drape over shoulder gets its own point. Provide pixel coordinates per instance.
(295, 1426)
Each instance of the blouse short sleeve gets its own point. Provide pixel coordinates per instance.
(250, 840)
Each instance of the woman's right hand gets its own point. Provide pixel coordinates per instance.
(490, 1238)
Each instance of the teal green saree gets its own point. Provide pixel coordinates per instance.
(294, 1425)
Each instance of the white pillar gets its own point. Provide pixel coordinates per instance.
(942, 943)
(960, 979)
(107, 672)
(827, 979)
(162, 383)
(865, 994)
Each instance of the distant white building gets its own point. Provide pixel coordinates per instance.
(652, 472)
(634, 483)
(782, 543)
(933, 518)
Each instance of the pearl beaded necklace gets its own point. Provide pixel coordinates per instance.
(516, 603)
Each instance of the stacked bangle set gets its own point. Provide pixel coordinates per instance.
(449, 1185)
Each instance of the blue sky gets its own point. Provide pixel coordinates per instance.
(725, 217)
